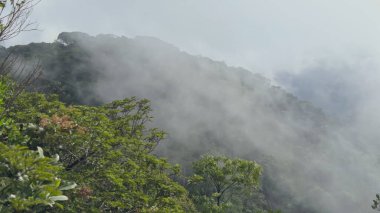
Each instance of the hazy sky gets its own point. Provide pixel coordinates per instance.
(261, 35)
(314, 39)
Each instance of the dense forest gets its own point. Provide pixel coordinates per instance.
(102, 157)
(114, 124)
(73, 73)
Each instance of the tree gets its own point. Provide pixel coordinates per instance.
(107, 151)
(29, 181)
(14, 17)
(376, 202)
(217, 176)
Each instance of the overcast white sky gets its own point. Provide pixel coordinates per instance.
(261, 35)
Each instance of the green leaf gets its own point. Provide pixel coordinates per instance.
(40, 152)
(68, 187)
(59, 198)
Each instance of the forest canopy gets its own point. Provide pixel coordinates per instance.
(86, 158)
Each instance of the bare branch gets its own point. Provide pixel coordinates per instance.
(14, 18)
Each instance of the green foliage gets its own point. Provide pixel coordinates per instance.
(28, 179)
(77, 63)
(217, 178)
(69, 71)
(107, 151)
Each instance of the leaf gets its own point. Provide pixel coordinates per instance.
(59, 198)
(40, 152)
(56, 158)
(68, 187)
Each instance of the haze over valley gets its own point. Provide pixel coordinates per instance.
(291, 86)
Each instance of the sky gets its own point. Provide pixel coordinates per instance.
(297, 44)
(262, 36)
(324, 51)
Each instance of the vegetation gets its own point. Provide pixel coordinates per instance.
(107, 150)
(68, 157)
(376, 202)
(45, 145)
(219, 179)
(89, 70)
(28, 179)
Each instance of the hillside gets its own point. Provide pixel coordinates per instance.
(209, 107)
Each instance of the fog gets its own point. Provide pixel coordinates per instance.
(206, 106)
(258, 35)
(325, 52)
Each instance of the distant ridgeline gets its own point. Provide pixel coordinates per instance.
(68, 70)
(205, 106)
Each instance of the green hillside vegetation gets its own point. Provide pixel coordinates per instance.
(115, 124)
(66, 157)
(95, 70)
(101, 156)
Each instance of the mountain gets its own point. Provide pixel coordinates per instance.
(207, 106)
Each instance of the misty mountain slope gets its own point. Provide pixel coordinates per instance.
(207, 106)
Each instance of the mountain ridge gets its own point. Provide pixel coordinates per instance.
(205, 106)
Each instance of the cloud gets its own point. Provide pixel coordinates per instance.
(254, 34)
(207, 106)
(335, 175)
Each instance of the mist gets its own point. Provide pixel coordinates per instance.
(346, 87)
(292, 85)
(206, 106)
(259, 35)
